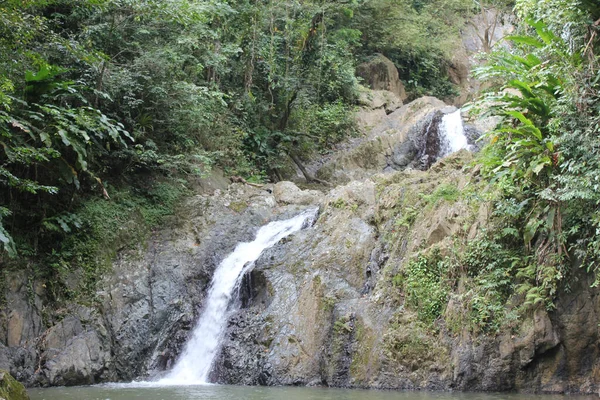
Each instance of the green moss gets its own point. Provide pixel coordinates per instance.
(445, 191)
(10, 389)
(328, 303)
(238, 206)
(362, 360)
(342, 326)
(408, 342)
(339, 203)
(126, 220)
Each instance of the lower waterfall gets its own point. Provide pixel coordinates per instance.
(195, 362)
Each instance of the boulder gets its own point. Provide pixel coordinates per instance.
(379, 99)
(10, 389)
(82, 361)
(375, 105)
(380, 73)
(288, 193)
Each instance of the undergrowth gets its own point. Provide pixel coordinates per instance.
(83, 252)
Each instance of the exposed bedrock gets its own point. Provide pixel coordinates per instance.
(321, 307)
(408, 137)
(143, 310)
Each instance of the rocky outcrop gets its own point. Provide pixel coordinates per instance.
(406, 138)
(482, 31)
(287, 193)
(20, 323)
(10, 389)
(144, 309)
(374, 106)
(338, 277)
(380, 73)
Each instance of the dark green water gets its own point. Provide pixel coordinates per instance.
(217, 392)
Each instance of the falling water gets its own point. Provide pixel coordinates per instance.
(452, 134)
(195, 363)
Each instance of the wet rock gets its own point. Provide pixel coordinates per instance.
(146, 307)
(325, 313)
(392, 144)
(273, 339)
(152, 300)
(326, 305)
(339, 352)
(10, 389)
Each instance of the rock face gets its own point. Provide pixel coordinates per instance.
(405, 138)
(144, 310)
(380, 73)
(483, 30)
(10, 389)
(324, 306)
(322, 311)
(390, 141)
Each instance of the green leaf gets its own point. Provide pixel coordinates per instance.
(46, 139)
(522, 87)
(528, 40)
(538, 168)
(530, 230)
(63, 135)
(63, 224)
(520, 116)
(543, 32)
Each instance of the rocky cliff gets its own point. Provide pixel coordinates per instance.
(325, 307)
(351, 302)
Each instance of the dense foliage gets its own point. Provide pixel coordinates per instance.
(544, 155)
(541, 177)
(108, 107)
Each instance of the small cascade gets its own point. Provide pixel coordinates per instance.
(195, 363)
(452, 134)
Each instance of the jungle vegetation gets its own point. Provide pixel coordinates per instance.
(109, 108)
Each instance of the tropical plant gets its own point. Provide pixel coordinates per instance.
(531, 154)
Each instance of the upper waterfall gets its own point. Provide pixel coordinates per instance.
(452, 134)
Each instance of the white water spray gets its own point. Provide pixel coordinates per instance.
(452, 134)
(195, 362)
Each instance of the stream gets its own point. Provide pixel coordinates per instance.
(222, 392)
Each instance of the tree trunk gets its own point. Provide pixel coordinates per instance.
(309, 178)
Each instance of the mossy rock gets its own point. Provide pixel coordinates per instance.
(10, 389)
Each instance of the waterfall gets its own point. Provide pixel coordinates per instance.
(196, 361)
(452, 134)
